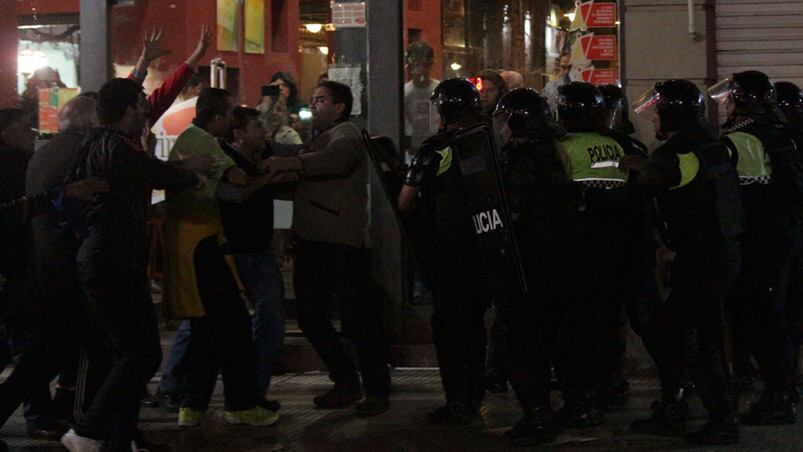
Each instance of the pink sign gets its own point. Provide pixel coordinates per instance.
(599, 76)
(598, 15)
(599, 47)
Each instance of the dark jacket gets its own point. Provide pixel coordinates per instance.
(14, 237)
(117, 240)
(248, 224)
(55, 246)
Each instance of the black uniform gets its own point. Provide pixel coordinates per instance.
(546, 330)
(770, 244)
(771, 189)
(453, 271)
(695, 187)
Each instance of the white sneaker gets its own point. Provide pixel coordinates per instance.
(75, 443)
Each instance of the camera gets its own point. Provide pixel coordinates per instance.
(270, 90)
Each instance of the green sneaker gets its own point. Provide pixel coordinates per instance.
(187, 417)
(256, 416)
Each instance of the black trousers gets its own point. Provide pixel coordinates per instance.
(459, 302)
(759, 303)
(124, 353)
(699, 281)
(326, 270)
(221, 340)
(60, 327)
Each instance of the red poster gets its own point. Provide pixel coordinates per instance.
(600, 76)
(599, 47)
(599, 15)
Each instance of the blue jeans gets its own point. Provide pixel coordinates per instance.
(263, 281)
(174, 375)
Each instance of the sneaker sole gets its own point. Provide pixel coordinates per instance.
(185, 424)
(70, 443)
(239, 423)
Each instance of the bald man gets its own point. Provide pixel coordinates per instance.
(513, 79)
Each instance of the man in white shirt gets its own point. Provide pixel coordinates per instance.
(420, 120)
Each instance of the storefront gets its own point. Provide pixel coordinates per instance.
(528, 36)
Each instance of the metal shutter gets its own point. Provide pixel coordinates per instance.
(762, 35)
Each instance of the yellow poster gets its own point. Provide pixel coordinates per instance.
(227, 34)
(50, 102)
(255, 26)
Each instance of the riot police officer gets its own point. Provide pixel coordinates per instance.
(433, 199)
(790, 102)
(695, 189)
(537, 188)
(639, 291)
(763, 151)
(603, 211)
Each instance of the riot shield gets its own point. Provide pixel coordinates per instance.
(389, 166)
(484, 195)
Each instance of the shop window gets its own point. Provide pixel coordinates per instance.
(413, 35)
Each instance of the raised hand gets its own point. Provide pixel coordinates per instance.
(201, 48)
(152, 46)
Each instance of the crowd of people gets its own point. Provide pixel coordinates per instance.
(698, 236)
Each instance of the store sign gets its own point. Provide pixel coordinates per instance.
(348, 15)
(598, 15)
(50, 102)
(600, 76)
(597, 47)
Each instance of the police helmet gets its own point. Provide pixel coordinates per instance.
(456, 100)
(616, 109)
(581, 107)
(526, 113)
(790, 101)
(680, 104)
(751, 92)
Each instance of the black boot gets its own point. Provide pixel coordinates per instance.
(537, 427)
(455, 413)
(579, 410)
(715, 434)
(668, 419)
(771, 409)
(616, 394)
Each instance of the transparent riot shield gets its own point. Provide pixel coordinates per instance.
(490, 217)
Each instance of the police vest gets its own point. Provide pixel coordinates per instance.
(753, 163)
(594, 159)
(704, 205)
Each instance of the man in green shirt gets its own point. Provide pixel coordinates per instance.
(200, 285)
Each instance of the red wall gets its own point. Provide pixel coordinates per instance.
(25, 7)
(428, 20)
(181, 24)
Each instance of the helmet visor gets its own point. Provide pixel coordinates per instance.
(722, 91)
(613, 118)
(645, 104)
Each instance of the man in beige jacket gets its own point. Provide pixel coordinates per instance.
(330, 221)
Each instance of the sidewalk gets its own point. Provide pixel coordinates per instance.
(415, 392)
